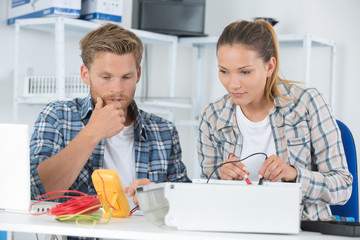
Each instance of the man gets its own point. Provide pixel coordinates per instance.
(106, 129)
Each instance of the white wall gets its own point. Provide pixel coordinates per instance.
(332, 19)
(6, 65)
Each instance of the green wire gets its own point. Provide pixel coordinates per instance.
(93, 217)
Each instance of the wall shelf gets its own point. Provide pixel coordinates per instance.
(61, 28)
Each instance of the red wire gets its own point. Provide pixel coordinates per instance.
(134, 210)
(105, 193)
(74, 205)
(246, 179)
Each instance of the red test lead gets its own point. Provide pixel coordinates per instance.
(246, 179)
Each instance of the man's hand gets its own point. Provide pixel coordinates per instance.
(106, 121)
(233, 171)
(274, 168)
(130, 191)
(61, 170)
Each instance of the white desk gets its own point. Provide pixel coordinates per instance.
(135, 227)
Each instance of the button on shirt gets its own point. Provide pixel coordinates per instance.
(306, 137)
(156, 141)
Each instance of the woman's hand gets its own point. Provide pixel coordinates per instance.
(233, 171)
(274, 168)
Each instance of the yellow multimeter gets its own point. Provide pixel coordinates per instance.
(108, 185)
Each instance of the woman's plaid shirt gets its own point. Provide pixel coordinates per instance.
(306, 136)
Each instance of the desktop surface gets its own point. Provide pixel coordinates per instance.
(134, 227)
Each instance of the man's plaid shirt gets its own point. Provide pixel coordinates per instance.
(157, 147)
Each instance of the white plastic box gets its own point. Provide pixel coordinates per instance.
(41, 8)
(223, 206)
(102, 10)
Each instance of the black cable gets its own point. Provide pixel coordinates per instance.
(240, 160)
(135, 208)
(261, 181)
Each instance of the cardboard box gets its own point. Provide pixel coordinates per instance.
(102, 10)
(41, 8)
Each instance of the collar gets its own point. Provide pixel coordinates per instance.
(226, 116)
(280, 103)
(86, 107)
(139, 125)
(285, 91)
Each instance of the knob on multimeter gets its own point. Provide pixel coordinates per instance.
(108, 186)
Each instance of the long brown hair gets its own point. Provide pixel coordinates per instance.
(259, 36)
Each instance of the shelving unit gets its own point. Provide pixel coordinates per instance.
(200, 43)
(62, 27)
(307, 42)
(56, 25)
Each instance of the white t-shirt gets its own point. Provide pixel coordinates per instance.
(258, 137)
(120, 156)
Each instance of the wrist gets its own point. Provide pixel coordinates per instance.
(90, 135)
(292, 175)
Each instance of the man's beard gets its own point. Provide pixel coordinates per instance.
(124, 104)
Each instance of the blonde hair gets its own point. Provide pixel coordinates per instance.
(110, 38)
(259, 36)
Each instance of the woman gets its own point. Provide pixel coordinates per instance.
(288, 127)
